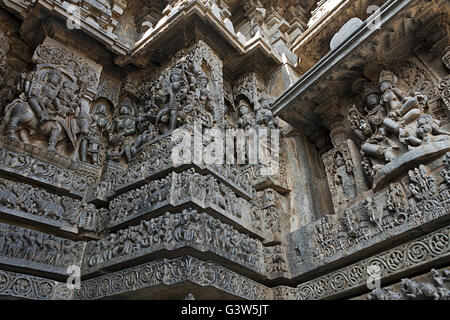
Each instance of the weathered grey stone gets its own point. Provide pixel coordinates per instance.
(94, 123)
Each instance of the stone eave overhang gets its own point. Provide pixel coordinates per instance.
(309, 45)
(292, 106)
(156, 46)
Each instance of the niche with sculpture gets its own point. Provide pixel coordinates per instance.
(392, 123)
(47, 111)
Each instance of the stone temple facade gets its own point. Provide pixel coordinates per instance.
(354, 93)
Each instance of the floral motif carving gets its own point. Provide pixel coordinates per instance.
(24, 286)
(171, 272)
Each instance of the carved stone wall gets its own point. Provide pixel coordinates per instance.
(99, 99)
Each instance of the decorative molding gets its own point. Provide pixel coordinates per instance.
(391, 263)
(29, 287)
(170, 272)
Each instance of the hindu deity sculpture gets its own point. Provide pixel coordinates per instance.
(122, 130)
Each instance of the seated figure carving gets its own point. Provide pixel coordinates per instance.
(393, 124)
(48, 107)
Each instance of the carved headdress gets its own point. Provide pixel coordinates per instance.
(126, 102)
(53, 72)
(388, 76)
(369, 88)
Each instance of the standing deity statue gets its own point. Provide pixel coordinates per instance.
(371, 211)
(247, 119)
(177, 96)
(122, 130)
(369, 129)
(344, 178)
(93, 146)
(206, 106)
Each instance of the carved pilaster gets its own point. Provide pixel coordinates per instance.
(437, 33)
(334, 119)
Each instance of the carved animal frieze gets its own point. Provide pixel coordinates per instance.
(32, 246)
(438, 289)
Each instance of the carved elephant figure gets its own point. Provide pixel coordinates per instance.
(8, 199)
(21, 120)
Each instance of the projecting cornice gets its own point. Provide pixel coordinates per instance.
(180, 22)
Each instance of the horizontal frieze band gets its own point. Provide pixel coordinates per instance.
(28, 168)
(18, 285)
(37, 251)
(170, 272)
(35, 206)
(181, 190)
(387, 266)
(189, 229)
